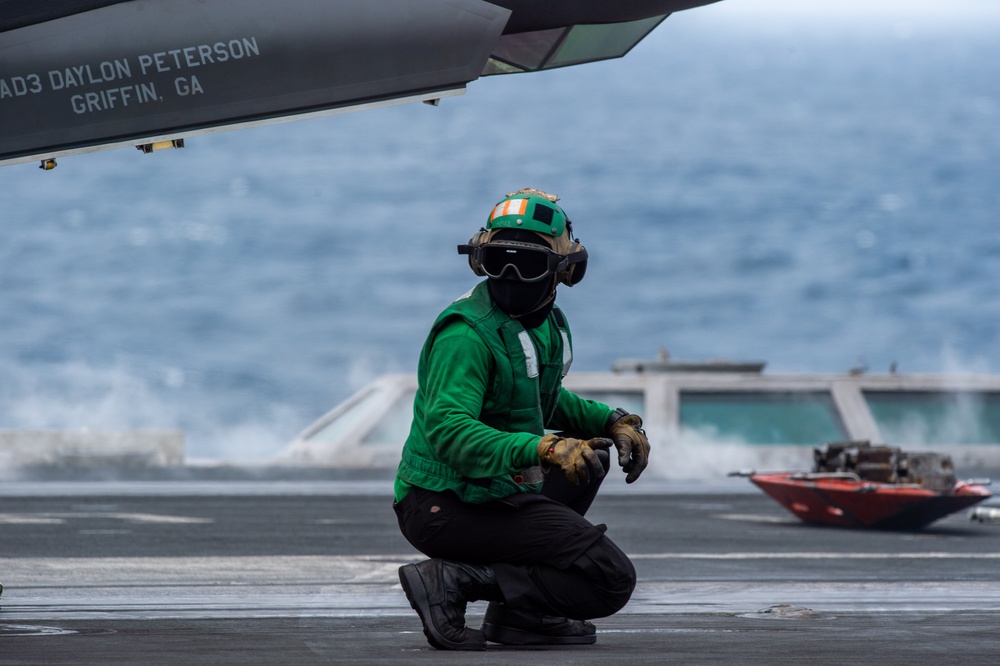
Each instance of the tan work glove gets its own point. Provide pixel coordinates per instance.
(576, 457)
(630, 440)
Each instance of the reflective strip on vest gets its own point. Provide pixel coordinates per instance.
(530, 355)
(567, 352)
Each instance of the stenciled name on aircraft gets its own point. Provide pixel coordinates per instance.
(72, 78)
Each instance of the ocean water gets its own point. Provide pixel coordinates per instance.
(814, 190)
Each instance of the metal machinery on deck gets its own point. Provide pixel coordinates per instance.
(855, 484)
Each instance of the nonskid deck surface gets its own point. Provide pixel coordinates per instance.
(292, 571)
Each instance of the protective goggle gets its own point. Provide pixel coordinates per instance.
(530, 262)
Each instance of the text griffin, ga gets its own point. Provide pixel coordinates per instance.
(81, 80)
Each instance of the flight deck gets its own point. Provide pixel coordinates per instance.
(262, 569)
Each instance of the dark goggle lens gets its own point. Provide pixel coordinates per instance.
(529, 264)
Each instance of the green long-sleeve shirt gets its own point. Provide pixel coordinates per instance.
(453, 385)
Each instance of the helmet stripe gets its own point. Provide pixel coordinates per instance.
(510, 207)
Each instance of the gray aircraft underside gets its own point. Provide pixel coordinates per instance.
(83, 75)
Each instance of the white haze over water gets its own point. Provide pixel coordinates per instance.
(754, 181)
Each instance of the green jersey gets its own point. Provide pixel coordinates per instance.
(488, 389)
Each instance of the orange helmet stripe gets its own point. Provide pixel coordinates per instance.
(509, 207)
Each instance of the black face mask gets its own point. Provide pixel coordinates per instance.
(528, 302)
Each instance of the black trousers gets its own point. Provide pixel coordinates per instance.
(546, 556)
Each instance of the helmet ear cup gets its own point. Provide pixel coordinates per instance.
(578, 265)
(472, 249)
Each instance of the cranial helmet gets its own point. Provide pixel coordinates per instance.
(535, 211)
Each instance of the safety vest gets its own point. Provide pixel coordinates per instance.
(522, 397)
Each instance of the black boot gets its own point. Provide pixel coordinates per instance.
(509, 626)
(439, 590)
